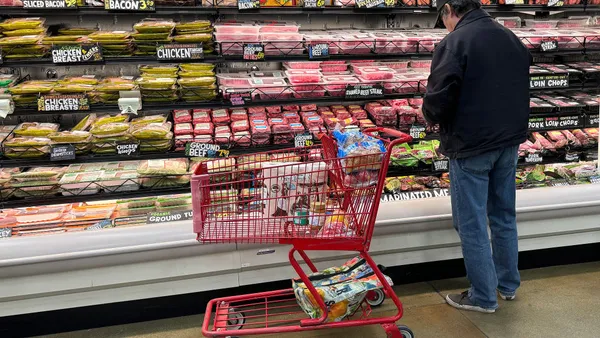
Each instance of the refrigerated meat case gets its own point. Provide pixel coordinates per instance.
(50, 272)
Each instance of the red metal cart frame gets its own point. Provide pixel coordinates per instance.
(248, 199)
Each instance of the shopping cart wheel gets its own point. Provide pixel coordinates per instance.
(235, 320)
(375, 297)
(406, 332)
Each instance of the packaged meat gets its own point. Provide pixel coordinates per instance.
(342, 114)
(203, 138)
(374, 73)
(175, 166)
(257, 110)
(293, 107)
(543, 143)
(560, 141)
(592, 133)
(151, 131)
(238, 114)
(183, 129)
(242, 138)
(234, 27)
(297, 128)
(223, 138)
(359, 114)
(311, 121)
(181, 140)
(259, 129)
(530, 23)
(35, 129)
(323, 109)
(204, 129)
(572, 140)
(292, 117)
(277, 121)
(510, 22)
(582, 137)
(281, 128)
(302, 64)
(220, 117)
(201, 117)
(299, 76)
(182, 116)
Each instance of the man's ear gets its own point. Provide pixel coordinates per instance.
(448, 9)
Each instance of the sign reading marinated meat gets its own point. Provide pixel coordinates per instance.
(549, 81)
(76, 53)
(555, 122)
(413, 195)
(129, 5)
(67, 102)
(362, 91)
(173, 51)
(49, 4)
(198, 149)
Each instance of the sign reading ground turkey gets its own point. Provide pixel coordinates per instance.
(58, 102)
(129, 5)
(169, 216)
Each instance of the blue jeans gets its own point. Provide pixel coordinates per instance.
(483, 188)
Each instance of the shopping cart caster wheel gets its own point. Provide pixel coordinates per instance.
(235, 320)
(406, 332)
(375, 297)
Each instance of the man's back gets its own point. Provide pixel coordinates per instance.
(492, 106)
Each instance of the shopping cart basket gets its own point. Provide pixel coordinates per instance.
(278, 197)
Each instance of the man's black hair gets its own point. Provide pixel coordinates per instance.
(461, 7)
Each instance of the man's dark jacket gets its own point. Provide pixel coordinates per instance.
(478, 90)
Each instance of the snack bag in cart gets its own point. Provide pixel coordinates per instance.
(342, 288)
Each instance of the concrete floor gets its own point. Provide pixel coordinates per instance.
(559, 301)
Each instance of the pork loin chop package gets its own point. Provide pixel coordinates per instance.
(290, 188)
(342, 289)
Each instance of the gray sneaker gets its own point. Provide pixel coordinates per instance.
(462, 301)
(507, 297)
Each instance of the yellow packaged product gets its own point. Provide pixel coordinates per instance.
(115, 84)
(154, 26)
(110, 141)
(196, 66)
(74, 88)
(151, 131)
(85, 123)
(31, 87)
(168, 70)
(174, 166)
(64, 39)
(191, 82)
(149, 119)
(171, 98)
(70, 137)
(20, 40)
(189, 38)
(24, 142)
(155, 83)
(110, 129)
(192, 25)
(84, 79)
(21, 23)
(150, 36)
(109, 35)
(27, 50)
(77, 31)
(22, 99)
(105, 119)
(196, 73)
(24, 32)
(35, 129)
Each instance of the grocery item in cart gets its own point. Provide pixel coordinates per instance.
(342, 288)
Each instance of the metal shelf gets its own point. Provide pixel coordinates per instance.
(284, 10)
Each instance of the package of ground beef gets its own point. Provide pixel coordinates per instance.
(182, 116)
(238, 115)
(292, 117)
(242, 125)
(204, 129)
(220, 117)
(200, 117)
(183, 129)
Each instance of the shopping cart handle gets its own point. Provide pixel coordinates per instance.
(401, 137)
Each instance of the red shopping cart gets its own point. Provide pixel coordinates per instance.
(278, 197)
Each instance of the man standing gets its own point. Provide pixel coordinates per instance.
(478, 92)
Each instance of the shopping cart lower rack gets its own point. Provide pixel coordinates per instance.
(312, 198)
